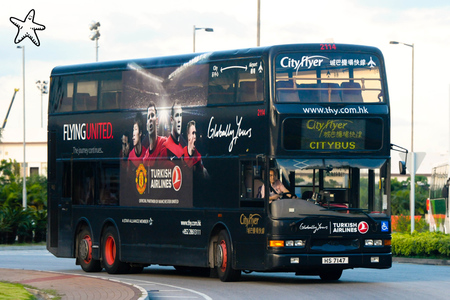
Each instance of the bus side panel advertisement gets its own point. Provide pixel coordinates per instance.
(168, 184)
(159, 155)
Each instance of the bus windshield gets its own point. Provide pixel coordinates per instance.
(334, 186)
(336, 77)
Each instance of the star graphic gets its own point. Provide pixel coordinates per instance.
(27, 28)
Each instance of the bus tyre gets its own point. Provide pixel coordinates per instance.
(224, 257)
(111, 253)
(84, 252)
(331, 275)
(135, 269)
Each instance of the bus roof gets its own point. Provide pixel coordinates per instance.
(177, 60)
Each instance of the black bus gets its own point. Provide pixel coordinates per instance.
(269, 159)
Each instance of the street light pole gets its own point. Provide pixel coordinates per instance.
(413, 155)
(95, 35)
(199, 28)
(258, 23)
(24, 188)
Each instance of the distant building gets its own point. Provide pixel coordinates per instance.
(405, 177)
(36, 156)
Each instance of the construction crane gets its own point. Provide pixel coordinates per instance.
(9, 109)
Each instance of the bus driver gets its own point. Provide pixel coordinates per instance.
(277, 189)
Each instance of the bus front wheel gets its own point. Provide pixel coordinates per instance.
(224, 258)
(111, 253)
(84, 253)
(331, 275)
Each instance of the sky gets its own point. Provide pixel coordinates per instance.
(148, 28)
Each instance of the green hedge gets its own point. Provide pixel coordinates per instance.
(421, 244)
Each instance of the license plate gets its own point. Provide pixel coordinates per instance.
(334, 260)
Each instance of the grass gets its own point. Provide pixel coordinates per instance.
(14, 291)
(17, 291)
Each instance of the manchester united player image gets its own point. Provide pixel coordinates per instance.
(138, 151)
(173, 146)
(156, 143)
(191, 156)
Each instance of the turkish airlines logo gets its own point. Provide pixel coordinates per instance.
(363, 227)
(176, 178)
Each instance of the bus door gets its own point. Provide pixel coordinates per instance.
(250, 237)
(65, 233)
(59, 202)
(60, 208)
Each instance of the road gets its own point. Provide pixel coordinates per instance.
(407, 281)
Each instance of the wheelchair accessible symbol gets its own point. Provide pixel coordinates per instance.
(384, 226)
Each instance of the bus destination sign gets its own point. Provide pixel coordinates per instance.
(332, 134)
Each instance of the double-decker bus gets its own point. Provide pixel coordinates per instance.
(437, 203)
(270, 159)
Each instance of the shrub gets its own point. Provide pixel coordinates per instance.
(423, 244)
(402, 224)
(40, 225)
(22, 224)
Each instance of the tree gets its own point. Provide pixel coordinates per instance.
(37, 192)
(422, 191)
(400, 192)
(10, 183)
(14, 220)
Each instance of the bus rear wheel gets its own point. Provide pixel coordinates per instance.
(111, 253)
(84, 253)
(331, 275)
(224, 258)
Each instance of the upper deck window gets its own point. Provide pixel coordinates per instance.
(329, 77)
(236, 81)
(81, 92)
(186, 83)
(86, 95)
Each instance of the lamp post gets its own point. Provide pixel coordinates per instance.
(413, 156)
(94, 27)
(24, 188)
(200, 28)
(258, 23)
(42, 86)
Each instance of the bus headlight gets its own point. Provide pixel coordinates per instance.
(373, 243)
(300, 243)
(368, 243)
(295, 243)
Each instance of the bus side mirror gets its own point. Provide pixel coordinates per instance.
(401, 164)
(402, 167)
